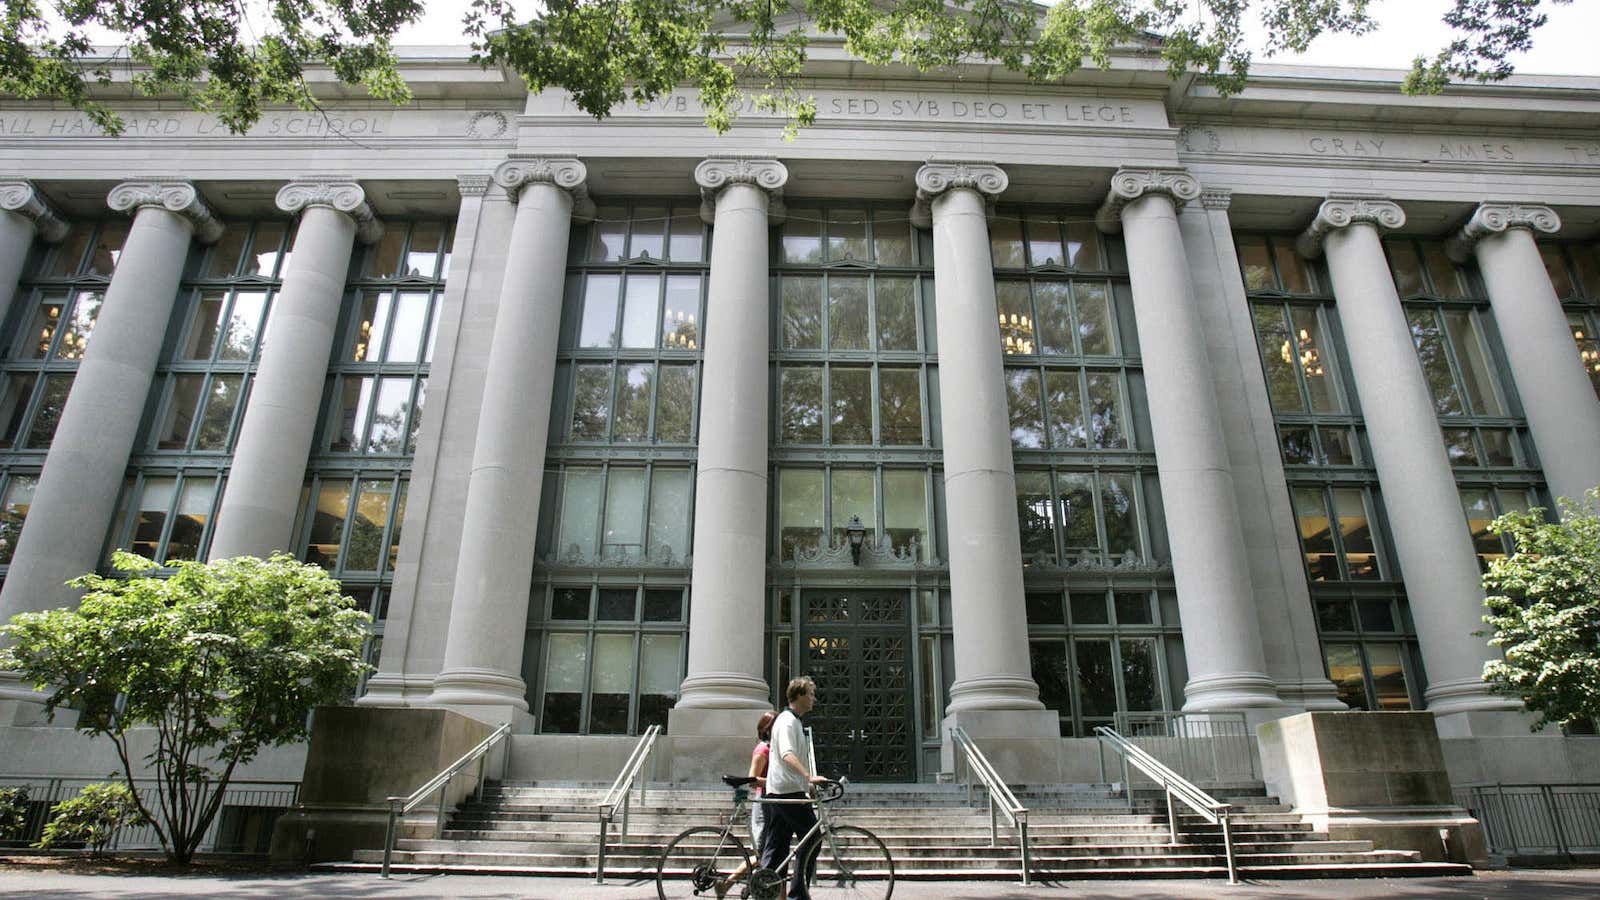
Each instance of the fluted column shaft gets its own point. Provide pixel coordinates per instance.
(489, 612)
(988, 614)
(83, 473)
(269, 462)
(728, 583)
(1563, 413)
(1221, 636)
(24, 214)
(1419, 491)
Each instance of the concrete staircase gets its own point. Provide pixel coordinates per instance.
(1076, 831)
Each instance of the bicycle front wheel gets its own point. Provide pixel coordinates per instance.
(851, 864)
(696, 862)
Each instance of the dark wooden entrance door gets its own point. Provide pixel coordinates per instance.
(857, 645)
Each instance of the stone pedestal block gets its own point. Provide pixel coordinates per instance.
(361, 756)
(1376, 776)
(1023, 745)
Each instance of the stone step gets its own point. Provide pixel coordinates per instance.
(910, 849)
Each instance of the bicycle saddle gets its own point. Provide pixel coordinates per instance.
(737, 781)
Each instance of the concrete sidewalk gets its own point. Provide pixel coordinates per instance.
(1572, 884)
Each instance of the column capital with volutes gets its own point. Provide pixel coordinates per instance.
(175, 196)
(1128, 185)
(936, 178)
(1497, 218)
(762, 172)
(565, 172)
(1342, 211)
(22, 198)
(338, 194)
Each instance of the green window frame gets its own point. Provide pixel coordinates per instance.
(611, 655)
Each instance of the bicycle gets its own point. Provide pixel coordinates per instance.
(848, 862)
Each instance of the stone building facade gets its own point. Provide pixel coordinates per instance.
(1138, 398)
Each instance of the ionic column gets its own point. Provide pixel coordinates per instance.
(24, 214)
(1437, 559)
(269, 462)
(1556, 394)
(742, 197)
(991, 625)
(1221, 637)
(83, 473)
(488, 617)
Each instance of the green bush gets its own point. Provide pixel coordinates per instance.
(13, 812)
(92, 818)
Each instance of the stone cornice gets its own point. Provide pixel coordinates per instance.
(342, 196)
(565, 172)
(25, 200)
(178, 197)
(1128, 185)
(472, 185)
(1343, 211)
(1498, 218)
(718, 172)
(935, 178)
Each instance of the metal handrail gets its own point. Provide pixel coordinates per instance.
(400, 806)
(621, 794)
(1174, 785)
(1001, 799)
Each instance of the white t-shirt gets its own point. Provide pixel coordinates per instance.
(788, 736)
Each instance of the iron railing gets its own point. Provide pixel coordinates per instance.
(1174, 786)
(1535, 819)
(440, 784)
(1212, 747)
(1001, 799)
(620, 797)
(263, 801)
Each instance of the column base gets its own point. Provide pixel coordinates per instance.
(1311, 696)
(708, 722)
(397, 689)
(1467, 707)
(994, 692)
(724, 690)
(483, 694)
(1249, 692)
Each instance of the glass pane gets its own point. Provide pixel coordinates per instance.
(1312, 356)
(1355, 533)
(612, 682)
(1376, 615)
(154, 505)
(891, 236)
(1035, 517)
(850, 396)
(14, 511)
(853, 496)
(189, 520)
(1133, 608)
(616, 605)
(1292, 270)
(1344, 670)
(1477, 374)
(1044, 242)
(1005, 242)
(1095, 333)
(1097, 687)
(800, 417)
(1105, 411)
(1335, 615)
(416, 415)
(1044, 608)
(1080, 530)
(591, 402)
(1255, 263)
(1435, 364)
(1299, 448)
(399, 524)
(802, 236)
(1339, 446)
(1122, 519)
(1480, 512)
(383, 257)
(410, 319)
(570, 604)
(1277, 357)
(423, 256)
(1448, 281)
(1141, 680)
(1016, 317)
(802, 313)
(1053, 300)
(566, 663)
(897, 313)
(42, 331)
(688, 235)
(327, 523)
(1084, 247)
(1047, 661)
(599, 326)
(350, 427)
(679, 325)
(374, 322)
(900, 406)
(675, 405)
(670, 490)
(14, 405)
(608, 233)
(624, 533)
(905, 510)
(69, 254)
(266, 253)
(1316, 534)
(1555, 266)
(799, 510)
(1459, 447)
(47, 415)
(847, 313)
(366, 529)
(216, 425)
(107, 249)
(1407, 268)
(649, 233)
(1027, 415)
(1498, 447)
(632, 409)
(643, 295)
(1587, 262)
(174, 433)
(660, 674)
(203, 324)
(1089, 609)
(580, 513)
(663, 606)
(388, 432)
(223, 259)
(79, 325)
(1064, 400)
(244, 321)
(847, 235)
(1388, 676)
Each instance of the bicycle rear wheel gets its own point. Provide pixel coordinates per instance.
(696, 861)
(851, 864)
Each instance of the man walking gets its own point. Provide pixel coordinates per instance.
(789, 777)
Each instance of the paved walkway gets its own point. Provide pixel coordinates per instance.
(1572, 884)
